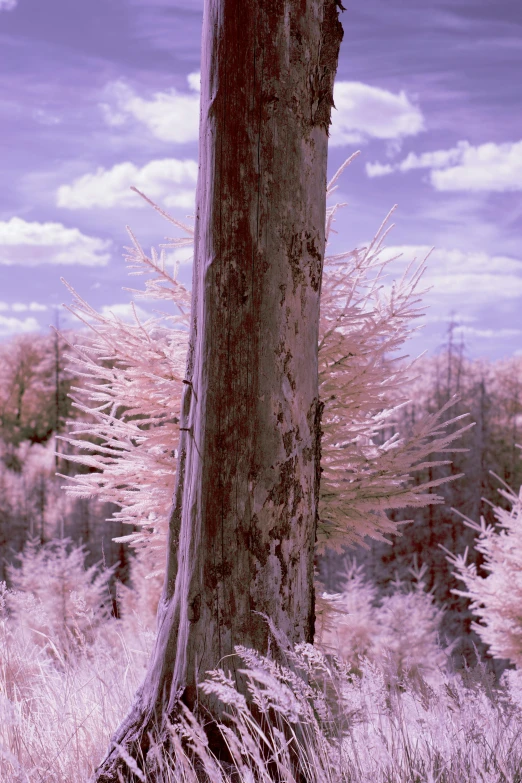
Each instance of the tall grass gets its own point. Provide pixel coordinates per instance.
(375, 719)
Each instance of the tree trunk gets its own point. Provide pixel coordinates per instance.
(243, 521)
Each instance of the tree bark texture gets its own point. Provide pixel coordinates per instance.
(243, 521)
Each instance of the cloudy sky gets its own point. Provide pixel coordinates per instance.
(96, 97)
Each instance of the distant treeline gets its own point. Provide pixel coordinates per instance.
(491, 392)
(35, 407)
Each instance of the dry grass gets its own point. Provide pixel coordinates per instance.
(58, 709)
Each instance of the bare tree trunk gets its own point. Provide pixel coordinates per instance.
(243, 521)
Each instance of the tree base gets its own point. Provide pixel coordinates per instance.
(142, 751)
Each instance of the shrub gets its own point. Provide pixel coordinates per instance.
(399, 632)
(57, 600)
(496, 599)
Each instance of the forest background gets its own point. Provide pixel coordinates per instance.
(35, 404)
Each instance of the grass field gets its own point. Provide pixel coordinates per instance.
(64, 688)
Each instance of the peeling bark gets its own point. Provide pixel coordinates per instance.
(244, 515)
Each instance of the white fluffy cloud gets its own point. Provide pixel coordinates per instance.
(379, 169)
(468, 277)
(486, 167)
(182, 256)
(124, 312)
(495, 167)
(365, 112)
(11, 325)
(20, 307)
(32, 244)
(194, 81)
(488, 334)
(171, 116)
(170, 181)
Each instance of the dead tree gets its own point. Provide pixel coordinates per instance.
(244, 514)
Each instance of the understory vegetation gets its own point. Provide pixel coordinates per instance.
(375, 696)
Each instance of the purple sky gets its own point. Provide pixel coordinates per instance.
(95, 97)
